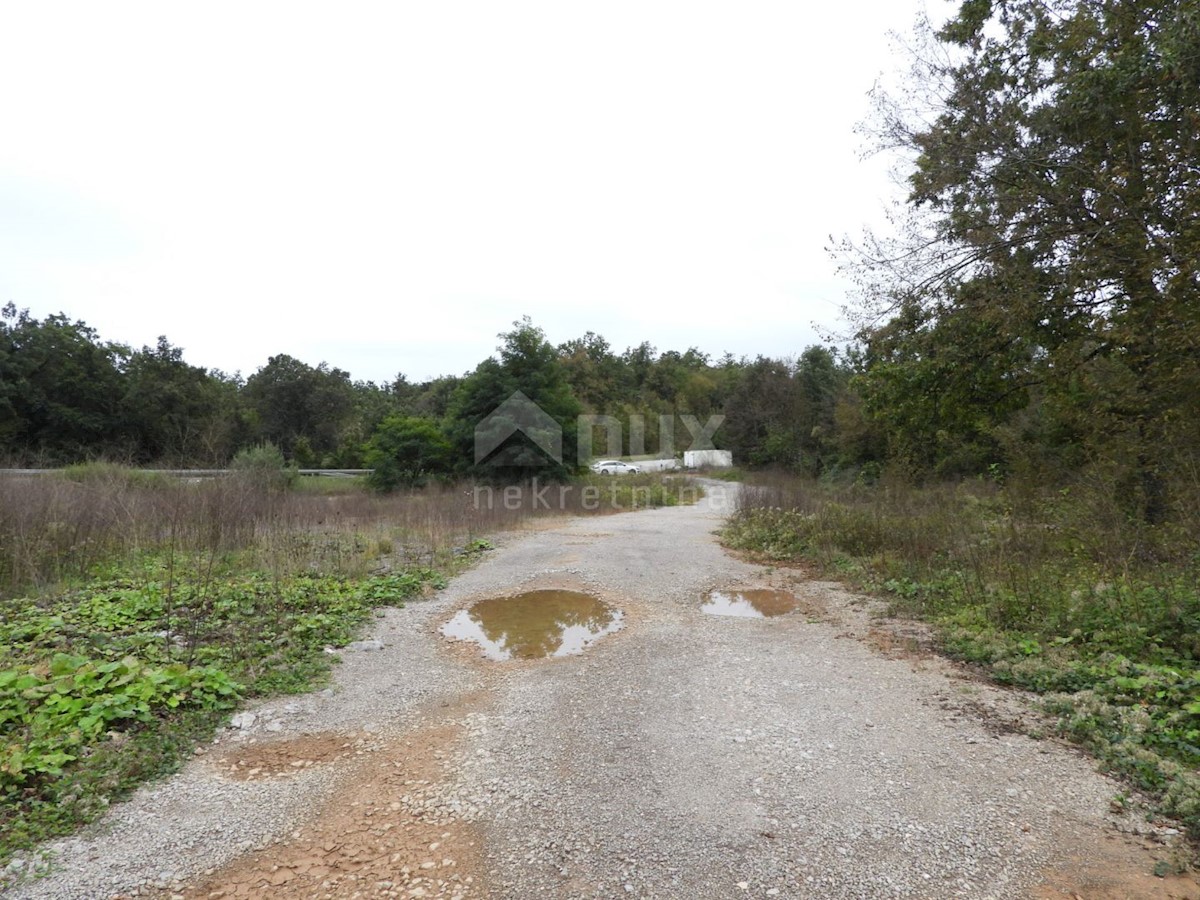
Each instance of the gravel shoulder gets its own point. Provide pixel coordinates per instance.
(819, 754)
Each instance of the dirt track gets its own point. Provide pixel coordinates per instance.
(819, 754)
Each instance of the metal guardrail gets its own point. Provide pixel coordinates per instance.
(201, 473)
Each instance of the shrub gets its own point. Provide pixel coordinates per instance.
(51, 712)
(406, 451)
(263, 466)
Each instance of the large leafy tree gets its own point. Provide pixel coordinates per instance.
(432, 398)
(640, 383)
(940, 381)
(168, 408)
(783, 414)
(762, 415)
(371, 405)
(1058, 199)
(594, 372)
(59, 388)
(301, 408)
(528, 363)
(407, 451)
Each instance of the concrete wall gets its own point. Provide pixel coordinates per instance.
(657, 465)
(717, 459)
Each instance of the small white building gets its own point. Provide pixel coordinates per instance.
(713, 459)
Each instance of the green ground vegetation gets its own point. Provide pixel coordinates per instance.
(1055, 593)
(112, 680)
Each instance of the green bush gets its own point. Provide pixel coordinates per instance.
(263, 466)
(779, 534)
(406, 451)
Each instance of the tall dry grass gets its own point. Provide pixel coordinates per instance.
(57, 527)
(1047, 561)
(984, 524)
(53, 529)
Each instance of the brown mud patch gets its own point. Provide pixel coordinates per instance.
(288, 757)
(1117, 867)
(800, 568)
(386, 831)
(900, 640)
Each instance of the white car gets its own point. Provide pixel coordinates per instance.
(614, 467)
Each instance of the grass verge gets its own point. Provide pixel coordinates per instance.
(114, 681)
(1097, 614)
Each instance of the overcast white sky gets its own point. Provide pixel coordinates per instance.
(385, 186)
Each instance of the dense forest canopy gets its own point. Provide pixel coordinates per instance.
(67, 395)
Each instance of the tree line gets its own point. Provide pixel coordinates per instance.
(67, 395)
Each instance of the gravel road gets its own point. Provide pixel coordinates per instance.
(818, 754)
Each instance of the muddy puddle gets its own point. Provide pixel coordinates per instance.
(758, 603)
(534, 625)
